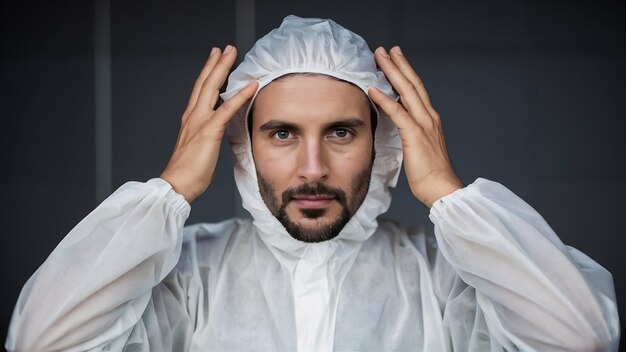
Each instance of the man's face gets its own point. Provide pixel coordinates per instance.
(313, 149)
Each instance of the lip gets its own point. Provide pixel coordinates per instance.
(313, 202)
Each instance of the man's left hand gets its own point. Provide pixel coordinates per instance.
(426, 162)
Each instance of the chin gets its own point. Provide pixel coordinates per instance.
(314, 225)
(320, 224)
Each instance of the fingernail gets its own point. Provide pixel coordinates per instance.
(397, 50)
(228, 49)
(381, 51)
(213, 51)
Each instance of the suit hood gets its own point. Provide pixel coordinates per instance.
(312, 45)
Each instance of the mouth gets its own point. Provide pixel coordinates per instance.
(313, 202)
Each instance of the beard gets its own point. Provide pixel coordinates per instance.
(323, 232)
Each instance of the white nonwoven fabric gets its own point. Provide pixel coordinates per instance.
(494, 276)
(308, 45)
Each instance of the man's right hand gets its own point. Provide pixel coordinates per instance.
(192, 165)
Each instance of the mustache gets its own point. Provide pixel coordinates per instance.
(316, 189)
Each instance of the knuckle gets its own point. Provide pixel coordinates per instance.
(417, 81)
(187, 120)
(419, 131)
(408, 90)
(200, 82)
(227, 105)
(429, 125)
(398, 109)
(207, 82)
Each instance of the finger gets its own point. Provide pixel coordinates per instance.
(229, 107)
(405, 67)
(408, 93)
(398, 114)
(214, 56)
(211, 86)
(398, 58)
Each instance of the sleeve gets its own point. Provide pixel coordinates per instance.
(513, 281)
(94, 287)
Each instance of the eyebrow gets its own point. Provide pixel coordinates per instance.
(283, 125)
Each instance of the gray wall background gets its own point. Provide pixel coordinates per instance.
(531, 94)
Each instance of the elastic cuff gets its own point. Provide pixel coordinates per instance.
(440, 205)
(179, 204)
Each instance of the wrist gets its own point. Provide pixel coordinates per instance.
(178, 187)
(429, 192)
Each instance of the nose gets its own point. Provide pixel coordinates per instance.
(312, 163)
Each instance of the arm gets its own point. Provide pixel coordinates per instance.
(533, 292)
(528, 285)
(97, 283)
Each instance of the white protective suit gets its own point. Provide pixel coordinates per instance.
(129, 277)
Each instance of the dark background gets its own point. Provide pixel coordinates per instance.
(531, 94)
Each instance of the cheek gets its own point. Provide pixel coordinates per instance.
(355, 156)
(347, 166)
(275, 165)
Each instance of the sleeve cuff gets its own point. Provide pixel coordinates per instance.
(437, 211)
(179, 204)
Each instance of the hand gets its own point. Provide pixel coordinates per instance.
(192, 165)
(426, 163)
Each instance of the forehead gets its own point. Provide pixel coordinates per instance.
(307, 99)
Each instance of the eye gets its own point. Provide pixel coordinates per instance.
(340, 133)
(282, 135)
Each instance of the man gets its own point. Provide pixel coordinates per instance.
(314, 269)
